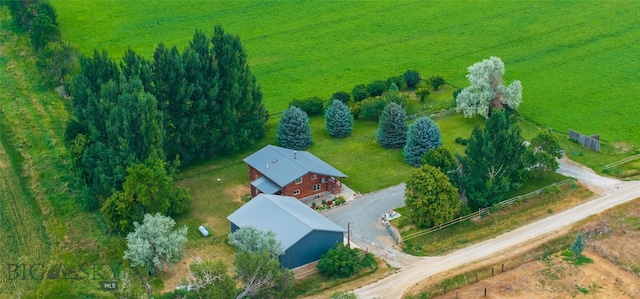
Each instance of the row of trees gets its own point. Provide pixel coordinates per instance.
(136, 120)
(57, 59)
(417, 139)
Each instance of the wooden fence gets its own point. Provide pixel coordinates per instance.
(592, 142)
(480, 211)
(625, 160)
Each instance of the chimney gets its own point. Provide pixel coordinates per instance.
(294, 154)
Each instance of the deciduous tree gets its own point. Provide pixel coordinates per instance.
(210, 280)
(542, 153)
(360, 92)
(442, 159)
(294, 131)
(423, 136)
(430, 197)
(341, 96)
(486, 90)
(154, 244)
(148, 188)
(262, 276)
(251, 239)
(392, 127)
(412, 78)
(338, 119)
(44, 28)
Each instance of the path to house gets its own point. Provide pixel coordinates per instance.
(613, 192)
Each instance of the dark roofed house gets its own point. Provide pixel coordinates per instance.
(281, 171)
(304, 233)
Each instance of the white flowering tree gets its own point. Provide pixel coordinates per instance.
(487, 91)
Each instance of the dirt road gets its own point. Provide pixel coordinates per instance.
(614, 193)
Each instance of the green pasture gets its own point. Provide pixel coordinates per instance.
(40, 218)
(577, 60)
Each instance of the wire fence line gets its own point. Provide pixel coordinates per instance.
(620, 162)
(481, 211)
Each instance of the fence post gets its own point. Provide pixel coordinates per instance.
(485, 292)
(502, 268)
(476, 277)
(491, 271)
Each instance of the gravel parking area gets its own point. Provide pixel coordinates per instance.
(362, 215)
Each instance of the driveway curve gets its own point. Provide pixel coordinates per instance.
(616, 193)
(367, 232)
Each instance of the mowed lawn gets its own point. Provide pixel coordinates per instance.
(577, 60)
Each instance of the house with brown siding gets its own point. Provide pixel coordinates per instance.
(281, 171)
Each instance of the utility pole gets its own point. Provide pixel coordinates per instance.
(349, 234)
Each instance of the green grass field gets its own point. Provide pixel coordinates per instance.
(577, 60)
(40, 219)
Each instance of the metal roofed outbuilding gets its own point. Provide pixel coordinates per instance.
(305, 234)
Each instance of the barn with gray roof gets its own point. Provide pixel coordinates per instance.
(281, 171)
(305, 234)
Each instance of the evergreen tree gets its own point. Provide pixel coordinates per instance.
(430, 197)
(577, 246)
(94, 73)
(241, 120)
(197, 141)
(423, 136)
(134, 65)
(294, 131)
(392, 128)
(174, 93)
(493, 164)
(338, 119)
(127, 129)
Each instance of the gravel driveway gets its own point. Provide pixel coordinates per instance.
(367, 231)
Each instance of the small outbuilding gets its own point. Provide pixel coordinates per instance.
(304, 233)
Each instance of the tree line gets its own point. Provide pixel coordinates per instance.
(135, 121)
(57, 59)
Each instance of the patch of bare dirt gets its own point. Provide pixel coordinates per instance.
(556, 278)
(621, 147)
(236, 193)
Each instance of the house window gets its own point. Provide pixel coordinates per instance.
(296, 192)
(299, 180)
(316, 187)
(313, 177)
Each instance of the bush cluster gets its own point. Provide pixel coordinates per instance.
(312, 106)
(342, 261)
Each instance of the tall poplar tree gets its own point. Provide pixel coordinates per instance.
(174, 92)
(242, 116)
